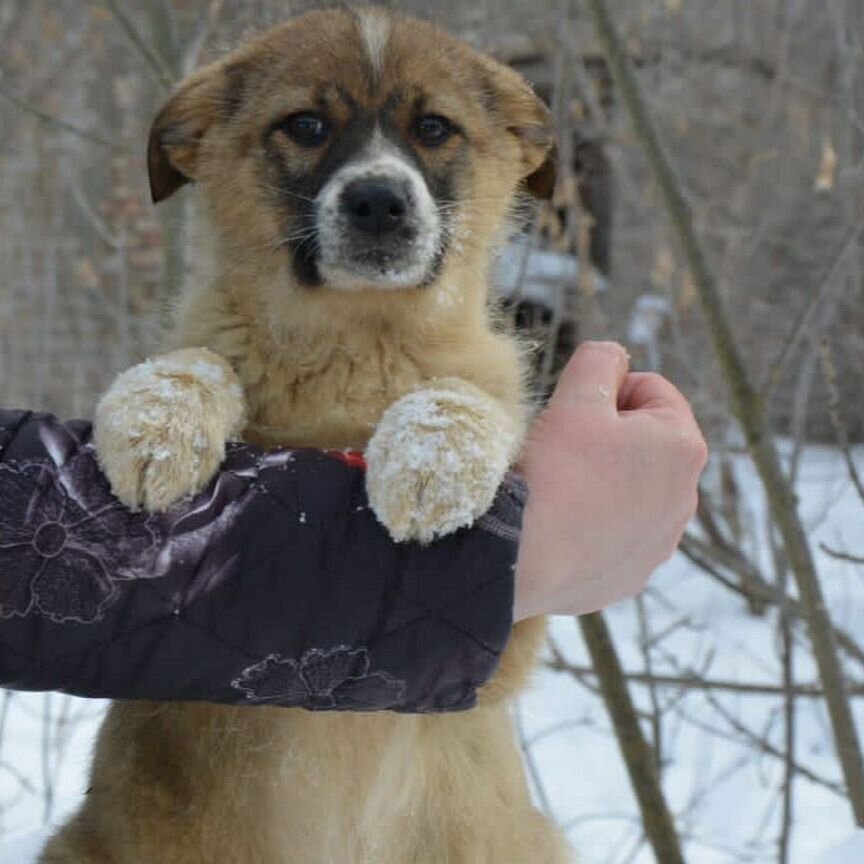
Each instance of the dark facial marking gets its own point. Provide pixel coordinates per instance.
(294, 191)
(304, 261)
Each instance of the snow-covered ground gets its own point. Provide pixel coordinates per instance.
(724, 788)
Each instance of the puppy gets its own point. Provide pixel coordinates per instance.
(354, 170)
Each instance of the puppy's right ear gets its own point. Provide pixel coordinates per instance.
(179, 128)
(525, 116)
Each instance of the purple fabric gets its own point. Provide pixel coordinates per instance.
(276, 585)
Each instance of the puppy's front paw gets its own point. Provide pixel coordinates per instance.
(161, 428)
(437, 458)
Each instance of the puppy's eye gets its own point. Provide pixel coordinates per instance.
(432, 130)
(306, 128)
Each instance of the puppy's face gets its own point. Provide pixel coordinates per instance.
(356, 150)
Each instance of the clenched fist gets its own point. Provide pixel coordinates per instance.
(612, 466)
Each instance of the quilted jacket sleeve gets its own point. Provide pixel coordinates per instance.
(274, 586)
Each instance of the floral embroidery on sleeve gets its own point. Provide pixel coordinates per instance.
(65, 542)
(334, 679)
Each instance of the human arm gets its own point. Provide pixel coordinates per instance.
(249, 585)
(276, 585)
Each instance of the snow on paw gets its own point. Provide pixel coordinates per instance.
(436, 460)
(161, 428)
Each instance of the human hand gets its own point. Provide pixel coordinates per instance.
(612, 466)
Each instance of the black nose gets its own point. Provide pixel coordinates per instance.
(375, 206)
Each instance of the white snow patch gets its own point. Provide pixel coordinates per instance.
(23, 848)
(209, 372)
(847, 852)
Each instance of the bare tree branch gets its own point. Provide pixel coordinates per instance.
(656, 713)
(637, 753)
(787, 660)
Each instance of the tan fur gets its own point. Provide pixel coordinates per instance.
(192, 784)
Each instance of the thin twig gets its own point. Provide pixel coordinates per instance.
(94, 219)
(155, 62)
(531, 764)
(48, 776)
(841, 556)
(192, 55)
(65, 125)
(729, 550)
(788, 786)
(763, 744)
(699, 682)
(588, 680)
(835, 413)
(702, 555)
(827, 283)
(656, 713)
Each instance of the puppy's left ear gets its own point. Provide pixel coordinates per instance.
(173, 149)
(526, 116)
